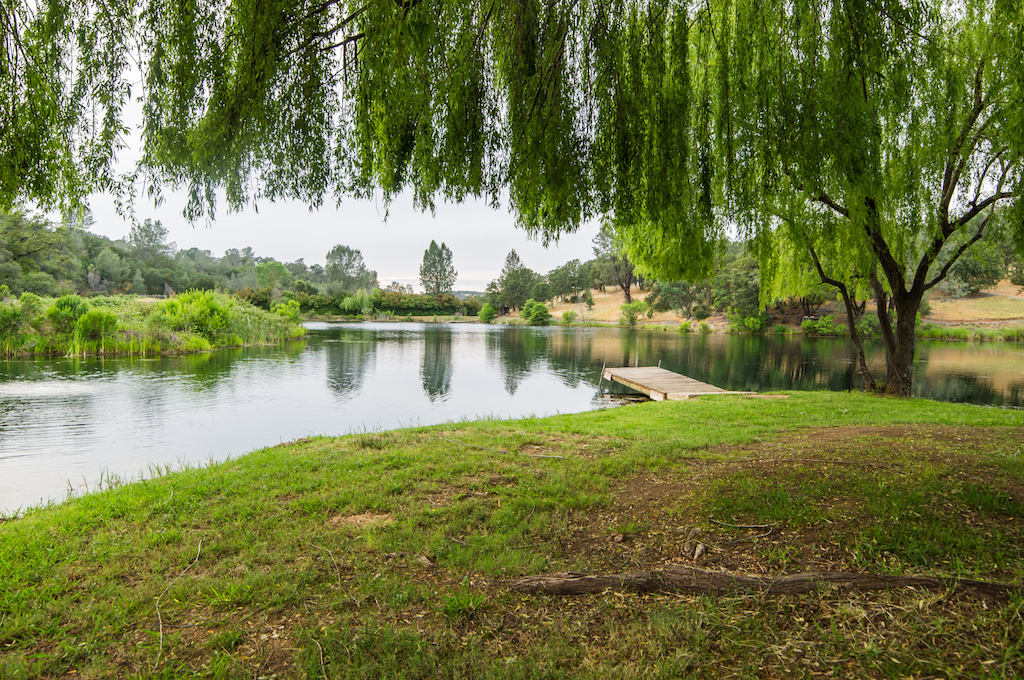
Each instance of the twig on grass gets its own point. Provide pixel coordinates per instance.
(511, 453)
(744, 526)
(751, 538)
(825, 461)
(323, 669)
(337, 571)
(159, 618)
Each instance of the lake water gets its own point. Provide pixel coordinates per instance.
(64, 423)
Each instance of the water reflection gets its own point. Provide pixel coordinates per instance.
(436, 372)
(351, 354)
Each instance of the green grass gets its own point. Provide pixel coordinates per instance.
(380, 555)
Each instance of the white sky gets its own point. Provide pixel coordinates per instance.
(478, 236)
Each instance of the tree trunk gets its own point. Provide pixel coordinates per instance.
(862, 363)
(679, 578)
(899, 380)
(899, 343)
(625, 285)
(851, 326)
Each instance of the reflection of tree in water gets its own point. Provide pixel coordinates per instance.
(570, 358)
(969, 388)
(437, 362)
(517, 351)
(349, 354)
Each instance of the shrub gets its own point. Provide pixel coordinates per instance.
(825, 326)
(10, 328)
(780, 329)
(867, 325)
(1017, 276)
(258, 297)
(700, 311)
(306, 287)
(536, 313)
(568, 317)
(704, 327)
(40, 283)
(487, 313)
(96, 324)
(471, 306)
(755, 324)
(686, 327)
(65, 312)
(31, 307)
(631, 312)
(196, 311)
(289, 310)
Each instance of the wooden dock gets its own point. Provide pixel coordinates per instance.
(660, 384)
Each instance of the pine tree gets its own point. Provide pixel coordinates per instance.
(437, 274)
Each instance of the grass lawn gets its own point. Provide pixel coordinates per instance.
(383, 555)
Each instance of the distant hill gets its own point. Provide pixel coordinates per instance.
(463, 294)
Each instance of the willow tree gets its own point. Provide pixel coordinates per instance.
(871, 130)
(873, 140)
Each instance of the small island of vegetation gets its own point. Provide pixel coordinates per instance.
(128, 325)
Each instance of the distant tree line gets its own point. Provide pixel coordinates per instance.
(734, 287)
(49, 259)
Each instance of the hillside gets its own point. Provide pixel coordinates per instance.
(1001, 305)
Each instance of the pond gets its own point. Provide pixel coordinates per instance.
(66, 424)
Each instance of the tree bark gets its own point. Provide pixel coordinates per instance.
(703, 582)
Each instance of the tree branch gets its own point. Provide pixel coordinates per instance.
(679, 578)
(956, 256)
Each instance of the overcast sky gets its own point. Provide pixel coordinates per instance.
(478, 236)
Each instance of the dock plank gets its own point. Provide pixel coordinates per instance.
(660, 384)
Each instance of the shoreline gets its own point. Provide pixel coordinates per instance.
(393, 550)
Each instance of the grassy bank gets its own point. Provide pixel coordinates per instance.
(127, 325)
(381, 555)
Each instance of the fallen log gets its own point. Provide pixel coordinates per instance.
(705, 582)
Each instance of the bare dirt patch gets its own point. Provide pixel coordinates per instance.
(360, 521)
(661, 517)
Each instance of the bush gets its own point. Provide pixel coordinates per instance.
(96, 324)
(39, 283)
(65, 312)
(700, 311)
(686, 327)
(704, 327)
(536, 313)
(306, 287)
(289, 310)
(316, 304)
(1017, 276)
(825, 326)
(487, 313)
(568, 317)
(868, 326)
(755, 324)
(10, 318)
(471, 306)
(631, 312)
(257, 297)
(196, 311)
(31, 307)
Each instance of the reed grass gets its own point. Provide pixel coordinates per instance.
(128, 325)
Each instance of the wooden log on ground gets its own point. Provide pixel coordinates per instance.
(705, 582)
